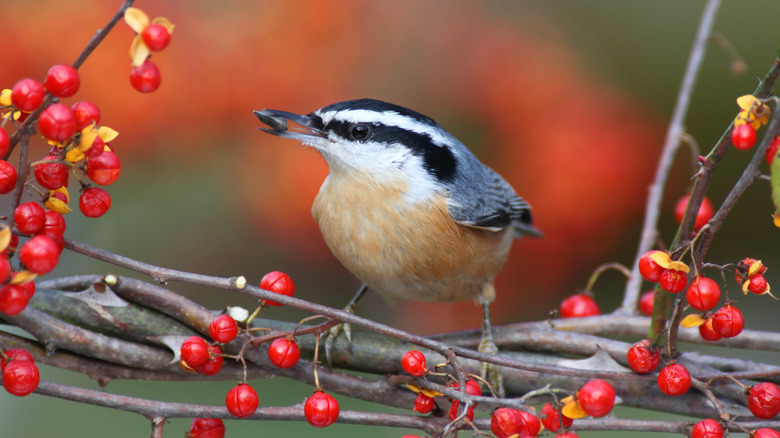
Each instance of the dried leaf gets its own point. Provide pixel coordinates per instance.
(138, 20)
(5, 237)
(23, 277)
(692, 320)
(164, 22)
(661, 258)
(572, 409)
(138, 51)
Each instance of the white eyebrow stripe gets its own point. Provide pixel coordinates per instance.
(389, 118)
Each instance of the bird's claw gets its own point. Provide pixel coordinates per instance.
(333, 333)
(490, 371)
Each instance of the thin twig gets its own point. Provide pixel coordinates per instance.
(671, 143)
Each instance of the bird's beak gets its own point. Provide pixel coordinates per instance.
(277, 125)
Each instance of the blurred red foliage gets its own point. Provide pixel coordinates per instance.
(577, 148)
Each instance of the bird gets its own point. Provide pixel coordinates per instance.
(406, 207)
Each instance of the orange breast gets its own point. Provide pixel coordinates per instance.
(406, 252)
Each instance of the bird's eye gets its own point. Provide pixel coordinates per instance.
(359, 132)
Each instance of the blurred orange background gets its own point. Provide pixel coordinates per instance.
(568, 102)
(571, 144)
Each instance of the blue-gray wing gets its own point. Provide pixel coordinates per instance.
(482, 198)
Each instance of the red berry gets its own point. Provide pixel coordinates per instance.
(579, 305)
(5, 142)
(705, 213)
(15, 354)
(708, 428)
(453, 414)
(743, 136)
(673, 281)
(62, 80)
(104, 168)
(757, 284)
(284, 352)
(743, 269)
(321, 410)
(13, 299)
(39, 254)
(94, 202)
(642, 357)
(413, 363)
(772, 150)
(8, 177)
(646, 303)
(5, 268)
(156, 37)
(648, 268)
(223, 329)
(424, 404)
(29, 287)
(21, 377)
(551, 418)
(97, 148)
(728, 321)
(27, 94)
(277, 282)
(55, 223)
(764, 400)
(51, 175)
(241, 401)
(207, 428)
(707, 332)
(674, 379)
(146, 77)
(194, 351)
(703, 294)
(30, 217)
(596, 398)
(214, 364)
(472, 388)
(567, 435)
(506, 422)
(86, 114)
(765, 433)
(57, 122)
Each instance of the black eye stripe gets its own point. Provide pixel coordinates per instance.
(438, 160)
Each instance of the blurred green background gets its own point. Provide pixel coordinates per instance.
(568, 100)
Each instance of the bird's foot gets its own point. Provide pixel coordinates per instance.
(342, 327)
(489, 371)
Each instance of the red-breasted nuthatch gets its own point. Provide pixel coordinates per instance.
(407, 208)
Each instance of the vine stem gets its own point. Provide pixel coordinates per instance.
(671, 143)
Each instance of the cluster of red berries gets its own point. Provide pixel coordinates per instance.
(73, 132)
(596, 398)
(20, 374)
(78, 147)
(655, 266)
(750, 274)
(507, 422)
(151, 36)
(763, 402)
(320, 409)
(644, 357)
